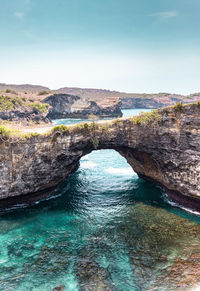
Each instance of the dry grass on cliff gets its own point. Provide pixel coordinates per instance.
(147, 118)
(90, 128)
(179, 108)
(11, 134)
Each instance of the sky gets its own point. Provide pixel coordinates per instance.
(126, 45)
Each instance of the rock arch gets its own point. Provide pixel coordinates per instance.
(163, 147)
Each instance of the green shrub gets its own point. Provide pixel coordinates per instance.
(10, 91)
(41, 108)
(4, 131)
(60, 128)
(148, 117)
(94, 126)
(43, 92)
(86, 126)
(9, 103)
(178, 107)
(118, 121)
(95, 142)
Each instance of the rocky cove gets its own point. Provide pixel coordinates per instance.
(102, 228)
(161, 146)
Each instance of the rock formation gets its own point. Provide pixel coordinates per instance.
(132, 100)
(162, 147)
(65, 106)
(24, 114)
(18, 109)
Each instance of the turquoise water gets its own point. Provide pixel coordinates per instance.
(105, 229)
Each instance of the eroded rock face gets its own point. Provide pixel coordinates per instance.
(165, 151)
(25, 115)
(65, 105)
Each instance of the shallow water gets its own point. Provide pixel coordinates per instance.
(106, 230)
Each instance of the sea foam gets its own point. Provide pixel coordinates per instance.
(120, 171)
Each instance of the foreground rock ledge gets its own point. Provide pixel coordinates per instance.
(162, 147)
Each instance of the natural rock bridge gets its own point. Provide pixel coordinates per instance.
(162, 147)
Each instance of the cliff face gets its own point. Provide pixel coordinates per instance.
(163, 147)
(24, 115)
(65, 106)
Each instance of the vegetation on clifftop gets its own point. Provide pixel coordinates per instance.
(148, 117)
(178, 107)
(14, 134)
(41, 108)
(93, 128)
(4, 131)
(11, 103)
(43, 92)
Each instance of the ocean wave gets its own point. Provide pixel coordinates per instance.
(120, 171)
(88, 165)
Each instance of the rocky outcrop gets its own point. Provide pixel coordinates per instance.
(65, 106)
(24, 115)
(163, 147)
(20, 109)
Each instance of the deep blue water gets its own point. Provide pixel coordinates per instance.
(105, 229)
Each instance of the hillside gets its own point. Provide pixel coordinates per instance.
(133, 100)
(23, 87)
(37, 106)
(100, 96)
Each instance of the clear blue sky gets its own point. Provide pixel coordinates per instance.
(127, 45)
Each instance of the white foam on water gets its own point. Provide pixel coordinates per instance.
(88, 165)
(174, 204)
(184, 208)
(120, 171)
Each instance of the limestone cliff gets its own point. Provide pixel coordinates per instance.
(163, 147)
(66, 106)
